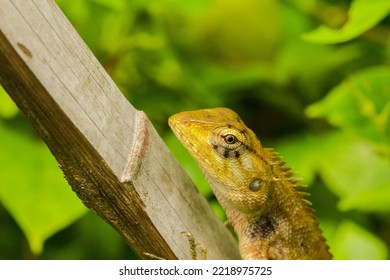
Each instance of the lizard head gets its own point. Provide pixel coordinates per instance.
(229, 154)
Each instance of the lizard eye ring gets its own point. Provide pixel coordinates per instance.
(230, 139)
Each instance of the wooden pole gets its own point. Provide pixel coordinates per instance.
(109, 152)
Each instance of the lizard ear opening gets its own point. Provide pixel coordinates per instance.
(254, 186)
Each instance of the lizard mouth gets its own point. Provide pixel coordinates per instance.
(181, 128)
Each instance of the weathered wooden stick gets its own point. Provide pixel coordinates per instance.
(109, 152)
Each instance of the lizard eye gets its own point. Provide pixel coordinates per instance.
(230, 139)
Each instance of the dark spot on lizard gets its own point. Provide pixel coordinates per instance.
(226, 153)
(263, 227)
(222, 151)
(303, 247)
(25, 50)
(246, 147)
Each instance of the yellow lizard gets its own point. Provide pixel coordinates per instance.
(261, 199)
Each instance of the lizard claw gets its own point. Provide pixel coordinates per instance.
(153, 256)
(194, 246)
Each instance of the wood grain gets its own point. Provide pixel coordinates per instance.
(109, 152)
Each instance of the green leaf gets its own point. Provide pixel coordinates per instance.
(116, 5)
(241, 41)
(353, 169)
(362, 16)
(218, 210)
(361, 104)
(8, 108)
(376, 199)
(349, 166)
(33, 190)
(353, 242)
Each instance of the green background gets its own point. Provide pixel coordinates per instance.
(311, 78)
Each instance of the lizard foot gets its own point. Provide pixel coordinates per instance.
(153, 256)
(194, 246)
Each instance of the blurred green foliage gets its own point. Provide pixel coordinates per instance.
(311, 78)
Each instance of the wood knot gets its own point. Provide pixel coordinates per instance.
(25, 50)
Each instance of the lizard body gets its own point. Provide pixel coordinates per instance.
(261, 199)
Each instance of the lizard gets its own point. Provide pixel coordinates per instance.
(262, 200)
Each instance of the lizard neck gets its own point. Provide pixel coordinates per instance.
(283, 227)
